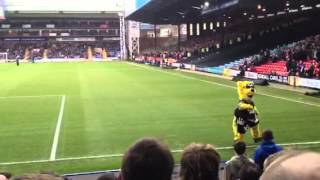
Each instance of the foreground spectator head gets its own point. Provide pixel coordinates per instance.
(107, 176)
(267, 148)
(240, 147)
(250, 171)
(267, 135)
(38, 177)
(234, 165)
(199, 162)
(294, 165)
(147, 159)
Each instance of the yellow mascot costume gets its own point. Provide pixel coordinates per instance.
(246, 113)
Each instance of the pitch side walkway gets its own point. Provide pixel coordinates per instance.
(271, 84)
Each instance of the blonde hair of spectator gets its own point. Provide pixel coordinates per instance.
(293, 165)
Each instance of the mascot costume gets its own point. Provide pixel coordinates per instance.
(246, 113)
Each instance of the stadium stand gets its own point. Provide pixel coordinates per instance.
(48, 37)
(251, 42)
(298, 58)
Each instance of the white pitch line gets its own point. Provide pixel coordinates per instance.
(224, 85)
(120, 155)
(57, 131)
(36, 96)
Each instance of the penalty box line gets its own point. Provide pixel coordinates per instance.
(56, 136)
(55, 140)
(31, 96)
(120, 155)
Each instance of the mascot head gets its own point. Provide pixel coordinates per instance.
(245, 89)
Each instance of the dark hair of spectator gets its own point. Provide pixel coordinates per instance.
(240, 147)
(147, 159)
(199, 162)
(267, 135)
(250, 171)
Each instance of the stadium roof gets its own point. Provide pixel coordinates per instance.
(183, 11)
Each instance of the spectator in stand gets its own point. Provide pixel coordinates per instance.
(199, 162)
(147, 159)
(290, 67)
(249, 172)
(301, 69)
(318, 54)
(266, 148)
(311, 70)
(240, 159)
(293, 165)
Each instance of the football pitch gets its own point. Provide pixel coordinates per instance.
(75, 117)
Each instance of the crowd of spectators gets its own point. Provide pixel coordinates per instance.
(194, 47)
(54, 49)
(295, 55)
(150, 158)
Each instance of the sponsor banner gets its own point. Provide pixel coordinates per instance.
(292, 80)
(251, 75)
(25, 39)
(230, 72)
(140, 58)
(280, 79)
(111, 39)
(50, 26)
(311, 83)
(2, 16)
(57, 60)
(201, 69)
(187, 66)
(274, 78)
(215, 70)
(52, 34)
(72, 60)
(177, 65)
(26, 26)
(193, 67)
(80, 39)
(5, 26)
(64, 34)
(263, 76)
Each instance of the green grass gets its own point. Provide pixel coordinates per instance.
(111, 105)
